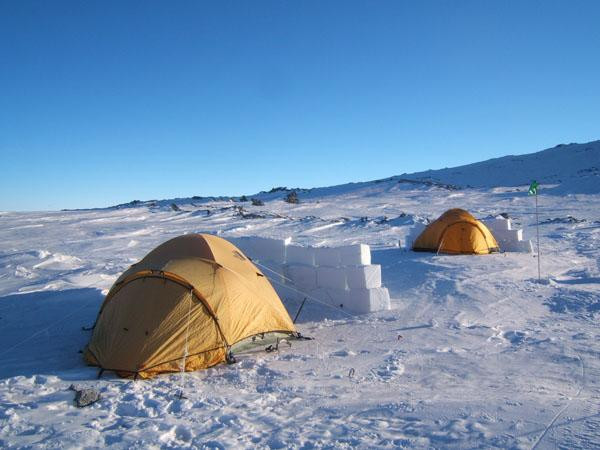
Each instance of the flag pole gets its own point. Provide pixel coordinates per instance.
(537, 227)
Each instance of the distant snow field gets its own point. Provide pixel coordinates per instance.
(475, 352)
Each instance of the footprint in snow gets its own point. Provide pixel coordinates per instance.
(515, 337)
(132, 410)
(390, 369)
(176, 435)
(343, 353)
(292, 357)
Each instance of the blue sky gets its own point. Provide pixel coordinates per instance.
(106, 102)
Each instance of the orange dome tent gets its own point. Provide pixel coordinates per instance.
(456, 231)
(187, 302)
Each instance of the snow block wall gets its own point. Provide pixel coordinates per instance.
(510, 240)
(263, 249)
(339, 276)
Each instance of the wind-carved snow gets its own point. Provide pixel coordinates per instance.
(475, 354)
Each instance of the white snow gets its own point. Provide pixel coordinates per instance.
(476, 353)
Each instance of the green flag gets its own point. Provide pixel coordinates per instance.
(533, 188)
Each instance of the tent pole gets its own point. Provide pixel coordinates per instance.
(440, 245)
(537, 227)
(185, 349)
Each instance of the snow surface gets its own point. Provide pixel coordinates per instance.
(475, 354)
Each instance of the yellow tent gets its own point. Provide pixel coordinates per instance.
(189, 300)
(456, 231)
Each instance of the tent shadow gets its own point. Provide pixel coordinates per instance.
(314, 312)
(41, 332)
(415, 327)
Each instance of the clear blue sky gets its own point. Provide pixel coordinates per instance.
(104, 102)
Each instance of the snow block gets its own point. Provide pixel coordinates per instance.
(363, 301)
(263, 249)
(508, 235)
(509, 239)
(302, 277)
(300, 255)
(498, 224)
(355, 255)
(525, 246)
(270, 249)
(517, 246)
(331, 278)
(363, 277)
(326, 256)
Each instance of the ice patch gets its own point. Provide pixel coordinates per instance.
(24, 272)
(59, 261)
(42, 254)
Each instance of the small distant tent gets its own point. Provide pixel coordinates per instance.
(456, 232)
(191, 299)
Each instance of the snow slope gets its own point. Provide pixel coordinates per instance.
(475, 354)
(574, 168)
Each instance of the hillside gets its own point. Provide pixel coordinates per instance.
(573, 168)
(564, 169)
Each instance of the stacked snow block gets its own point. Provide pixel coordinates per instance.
(300, 255)
(331, 278)
(348, 255)
(359, 254)
(263, 249)
(305, 277)
(364, 277)
(340, 276)
(345, 276)
(366, 300)
(510, 240)
(327, 257)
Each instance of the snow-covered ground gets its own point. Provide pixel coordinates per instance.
(475, 354)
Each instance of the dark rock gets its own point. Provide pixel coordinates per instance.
(292, 197)
(84, 397)
(568, 219)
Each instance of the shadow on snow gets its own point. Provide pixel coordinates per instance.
(41, 332)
